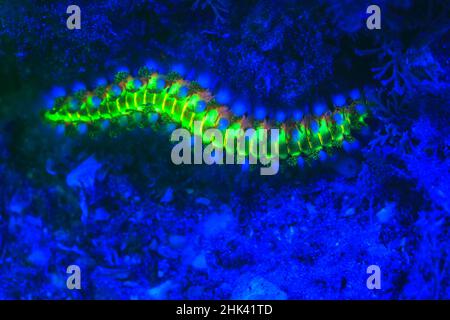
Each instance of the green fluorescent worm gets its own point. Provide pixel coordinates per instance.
(153, 99)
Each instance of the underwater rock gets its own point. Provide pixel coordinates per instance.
(203, 201)
(84, 175)
(168, 196)
(258, 288)
(39, 257)
(217, 223)
(161, 291)
(19, 202)
(100, 214)
(200, 262)
(177, 241)
(385, 214)
(349, 212)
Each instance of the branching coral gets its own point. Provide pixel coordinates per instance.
(403, 72)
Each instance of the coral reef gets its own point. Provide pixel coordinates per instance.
(140, 227)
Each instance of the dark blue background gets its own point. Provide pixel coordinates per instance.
(141, 228)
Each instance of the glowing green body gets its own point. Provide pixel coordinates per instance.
(159, 95)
